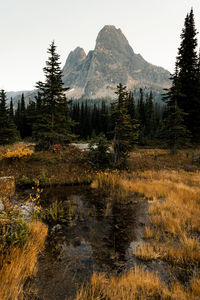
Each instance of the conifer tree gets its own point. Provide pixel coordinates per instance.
(141, 107)
(158, 119)
(23, 119)
(187, 66)
(8, 131)
(149, 117)
(17, 115)
(98, 155)
(30, 117)
(141, 116)
(174, 130)
(103, 118)
(131, 105)
(54, 125)
(95, 119)
(11, 111)
(125, 132)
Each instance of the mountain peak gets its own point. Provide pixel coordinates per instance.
(75, 58)
(79, 53)
(111, 38)
(112, 61)
(108, 28)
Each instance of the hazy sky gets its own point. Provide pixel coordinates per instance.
(27, 27)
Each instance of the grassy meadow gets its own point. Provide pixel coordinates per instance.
(57, 167)
(171, 233)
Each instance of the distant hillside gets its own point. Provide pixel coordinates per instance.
(16, 96)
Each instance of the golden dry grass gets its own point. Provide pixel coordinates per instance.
(64, 167)
(174, 222)
(157, 159)
(175, 217)
(136, 284)
(19, 263)
(174, 210)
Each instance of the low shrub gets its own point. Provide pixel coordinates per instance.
(17, 153)
(14, 230)
(98, 155)
(53, 213)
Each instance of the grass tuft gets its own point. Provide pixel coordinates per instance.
(19, 263)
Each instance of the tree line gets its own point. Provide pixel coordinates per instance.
(51, 119)
(89, 120)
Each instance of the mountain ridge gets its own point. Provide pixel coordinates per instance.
(113, 60)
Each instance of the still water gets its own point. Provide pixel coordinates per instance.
(94, 234)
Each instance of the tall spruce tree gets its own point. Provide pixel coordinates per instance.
(141, 116)
(23, 118)
(174, 130)
(30, 117)
(11, 111)
(149, 117)
(125, 131)
(8, 131)
(131, 105)
(54, 124)
(187, 66)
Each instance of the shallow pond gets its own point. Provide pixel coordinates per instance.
(94, 234)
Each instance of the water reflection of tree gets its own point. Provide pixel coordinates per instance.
(105, 228)
(114, 237)
(109, 227)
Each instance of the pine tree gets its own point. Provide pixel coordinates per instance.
(11, 111)
(196, 110)
(8, 131)
(23, 118)
(131, 105)
(54, 125)
(176, 133)
(174, 130)
(17, 115)
(98, 155)
(125, 132)
(141, 107)
(30, 117)
(187, 66)
(141, 117)
(149, 117)
(103, 118)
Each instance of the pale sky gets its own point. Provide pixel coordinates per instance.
(27, 27)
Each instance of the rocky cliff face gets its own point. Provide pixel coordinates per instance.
(96, 74)
(112, 61)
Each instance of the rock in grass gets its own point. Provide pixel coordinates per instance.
(56, 228)
(1, 206)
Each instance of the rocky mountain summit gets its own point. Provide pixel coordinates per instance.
(96, 74)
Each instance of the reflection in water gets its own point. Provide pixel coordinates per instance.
(94, 235)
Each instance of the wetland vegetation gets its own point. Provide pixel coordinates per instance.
(127, 234)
